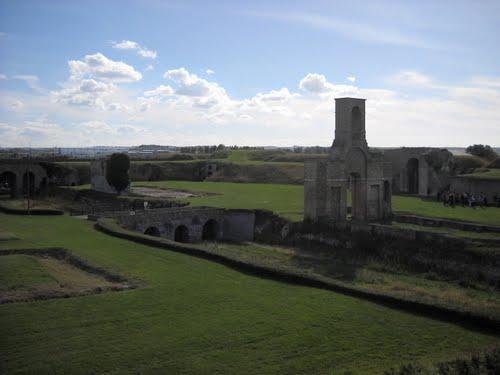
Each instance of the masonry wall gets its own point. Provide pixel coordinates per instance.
(486, 186)
(235, 225)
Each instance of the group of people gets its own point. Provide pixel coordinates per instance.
(452, 199)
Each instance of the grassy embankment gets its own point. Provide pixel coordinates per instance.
(288, 200)
(196, 316)
(493, 174)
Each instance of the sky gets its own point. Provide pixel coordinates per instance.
(87, 73)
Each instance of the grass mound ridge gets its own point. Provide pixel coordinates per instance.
(34, 211)
(464, 318)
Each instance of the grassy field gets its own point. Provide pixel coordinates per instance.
(23, 272)
(195, 316)
(490, 174)
(288, 200)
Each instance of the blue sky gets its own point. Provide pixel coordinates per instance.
(250, 72)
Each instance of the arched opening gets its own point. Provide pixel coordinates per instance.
(356, 124)
(358, 203)
(181, 234)
(8, 183)
(210, 229)
(152, 231)
(387, 192)
(412, 175)
(28, 183)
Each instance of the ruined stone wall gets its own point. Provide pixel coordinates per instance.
(22, 168)
(487, 186)
(98, 178)
(235, 225)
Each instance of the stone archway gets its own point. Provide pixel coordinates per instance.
(356, 180)
(152, 231)
(181, 234)
(210, 230)
(358, 199)
(8, 183)
(412, 175)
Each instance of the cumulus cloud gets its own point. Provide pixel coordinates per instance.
(351, 79)
(3, 76)
(202, 92)
(99, 67)
(209, 72)
(160, 91)
(130, 45)
(93, 81)
(315, 83)
(87, 92)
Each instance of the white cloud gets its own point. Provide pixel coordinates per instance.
(351, 79)
(149, 68)
(315, 83)
(31, 80)
(86, 92)
(96, 126)
(486, 81)
(99, 67)
(411, 78)
(201, 93)
(141, 50)
(160, 91)
(3, 76)
(209, 72)
(16, 105)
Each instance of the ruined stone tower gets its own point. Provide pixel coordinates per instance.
(351, 167)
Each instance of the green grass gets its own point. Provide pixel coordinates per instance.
(288, 200)
(195, 317)
(490, 174)
(22, 272)
(416, 206)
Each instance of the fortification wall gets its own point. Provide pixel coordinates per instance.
(487, 186)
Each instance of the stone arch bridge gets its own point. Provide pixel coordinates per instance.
(190, 224)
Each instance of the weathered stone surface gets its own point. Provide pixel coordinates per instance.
(351, 166)
(98, 178)
(200, 222)
(19, 175)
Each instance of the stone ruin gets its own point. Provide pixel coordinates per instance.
(98, 178)
(351, 167)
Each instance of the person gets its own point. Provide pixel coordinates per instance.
(472, 201)
(445, 198)
(146, 204)
(485, 201)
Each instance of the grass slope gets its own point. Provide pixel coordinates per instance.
(493, 174)
(288, 200)
(200, 317)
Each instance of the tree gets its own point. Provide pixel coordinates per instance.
(117, 167)
(483, 151)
